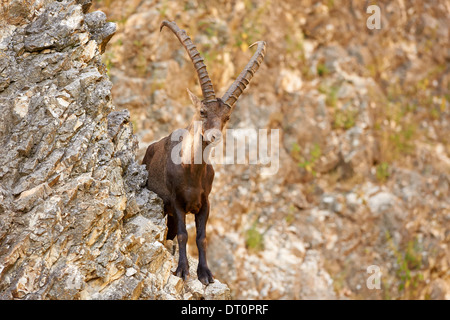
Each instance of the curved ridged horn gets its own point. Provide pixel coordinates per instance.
(197, 60)
(239, 85)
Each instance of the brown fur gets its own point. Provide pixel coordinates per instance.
(185, 188)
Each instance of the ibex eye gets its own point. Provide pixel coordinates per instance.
(203, 113)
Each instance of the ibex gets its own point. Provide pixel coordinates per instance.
(185, 187)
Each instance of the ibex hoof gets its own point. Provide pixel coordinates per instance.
(205, 276)
(182, 271)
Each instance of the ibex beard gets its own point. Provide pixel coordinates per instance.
(185, 185)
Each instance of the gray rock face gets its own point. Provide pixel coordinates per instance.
(76, 221)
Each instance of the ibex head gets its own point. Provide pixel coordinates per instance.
(214, 112)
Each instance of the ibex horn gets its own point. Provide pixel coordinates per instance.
(239, 85)
(203, 77)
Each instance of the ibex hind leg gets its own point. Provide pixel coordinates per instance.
(171, 227)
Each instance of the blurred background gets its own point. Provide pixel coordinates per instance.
(364, 118)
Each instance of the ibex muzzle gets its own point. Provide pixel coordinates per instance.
(184, 187)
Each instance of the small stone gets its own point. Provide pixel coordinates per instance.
(130, 272)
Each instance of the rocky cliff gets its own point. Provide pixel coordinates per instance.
(76, 221)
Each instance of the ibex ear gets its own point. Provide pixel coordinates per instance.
(195, 100)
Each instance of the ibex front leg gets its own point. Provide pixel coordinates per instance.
(203, 273)
(182, 236)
